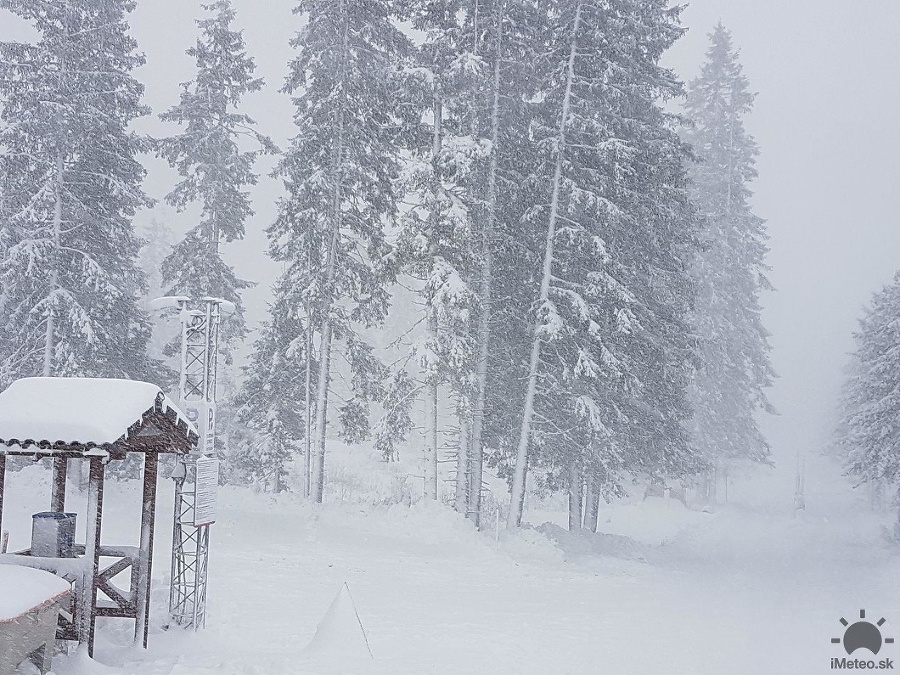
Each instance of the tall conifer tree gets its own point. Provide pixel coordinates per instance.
(730, 270)
(214, 165)
(436, 244)
(870, 422)
(70, 184)
(609, 355)
(340, 173)
(270, 403)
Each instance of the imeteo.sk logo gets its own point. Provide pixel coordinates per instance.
(862, 635)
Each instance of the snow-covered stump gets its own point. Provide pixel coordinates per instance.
(340, 635)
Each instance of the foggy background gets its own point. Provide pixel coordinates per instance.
(826, 121)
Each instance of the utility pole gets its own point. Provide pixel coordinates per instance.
(800, 486)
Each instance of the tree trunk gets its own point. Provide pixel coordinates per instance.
(712, 488)
(431, 438)
(54, 275)
(575, 498)
(591, 502)
(317, 487)
(517, 501)
(799, 486)
(461, 500)
(476, 461)
(307, 401)
(431, 385)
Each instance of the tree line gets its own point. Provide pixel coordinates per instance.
(583, 261)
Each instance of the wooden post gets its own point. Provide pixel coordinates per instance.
(591, 502)
(88, 598)
(145, 557)
(2, 481)
(576, 498)
(58, 491)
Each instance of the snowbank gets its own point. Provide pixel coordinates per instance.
(742, 591)
(653, 521)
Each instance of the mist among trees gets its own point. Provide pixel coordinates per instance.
(558, 227)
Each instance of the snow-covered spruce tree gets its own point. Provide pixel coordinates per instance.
(394, 426)
(870, 423)
(734, 370)
(435, 241)
(340, 173)
(845, 441)
(215, 167)
(503, 34)
(70, 186)
(271, 407)
(610, 354)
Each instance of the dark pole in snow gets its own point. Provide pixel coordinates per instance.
(92, 553)
(145, 557)
(2, 481)
(58, 494)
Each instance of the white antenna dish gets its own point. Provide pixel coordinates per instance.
(226, 307)
(169, 302)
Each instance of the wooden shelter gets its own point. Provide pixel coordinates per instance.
(98, 421)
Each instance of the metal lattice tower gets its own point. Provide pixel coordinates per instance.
(197, 394)
(190, 552)
(199, 362)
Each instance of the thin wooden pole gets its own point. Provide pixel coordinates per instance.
(145, 561)
(92, 553)
(591, 502)
(58, 491)
(2, 482)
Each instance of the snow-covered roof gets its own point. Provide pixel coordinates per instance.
(23, 589)
(82, 412)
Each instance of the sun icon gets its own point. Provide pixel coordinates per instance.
(862, 634)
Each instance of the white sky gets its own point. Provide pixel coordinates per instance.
(826, 120)
(826, 123)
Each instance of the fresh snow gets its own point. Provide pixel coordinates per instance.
(23, 589)
(340, 635)
(74, 409)
(748, 590)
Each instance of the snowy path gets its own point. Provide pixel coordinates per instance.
(747, 590)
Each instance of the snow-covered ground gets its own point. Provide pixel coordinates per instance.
(663, 590)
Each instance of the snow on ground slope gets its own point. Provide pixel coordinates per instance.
(748, 589)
